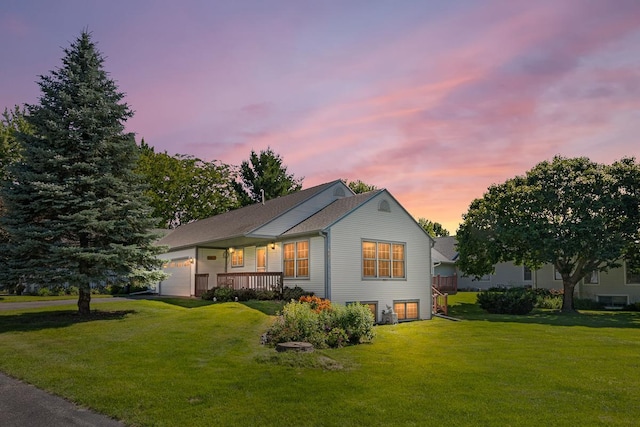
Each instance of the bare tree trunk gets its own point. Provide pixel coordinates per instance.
(84, 300)
(567, 298)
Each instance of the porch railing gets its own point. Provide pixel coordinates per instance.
(448, 284)
(440, 303)
(262, 281)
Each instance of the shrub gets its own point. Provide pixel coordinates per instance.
(317, 304)
(209, 294)
(634, 306)
(224, 294)
(246, 294)
(44, 292)
(289, 294)
(357, 320)
(333, 326)
(510, 301)
(266, 295)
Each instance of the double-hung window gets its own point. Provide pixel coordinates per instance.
(237, 258)
(296, 259)
(383, 259)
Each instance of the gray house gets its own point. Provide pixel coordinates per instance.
(342, 246)
(615, 288)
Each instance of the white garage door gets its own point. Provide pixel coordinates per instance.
(179, 281)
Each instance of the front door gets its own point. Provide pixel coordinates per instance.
(261, 259)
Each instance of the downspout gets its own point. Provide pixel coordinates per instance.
(327, 264)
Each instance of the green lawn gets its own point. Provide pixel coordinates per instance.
(29, 298)
(152, 363)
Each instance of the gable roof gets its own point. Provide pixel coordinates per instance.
(446, 247)
(238, 223)
(324, 218)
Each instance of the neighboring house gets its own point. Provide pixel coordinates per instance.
(342, 246)
(615, 288)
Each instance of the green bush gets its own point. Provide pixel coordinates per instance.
(246, 294)
(634, 306)
(295, 293)
(357, 320)
(334, 327)
(551, 302)
(44, 292)
(266, 295)
(224, 294)
(209, 294)
(510, 301)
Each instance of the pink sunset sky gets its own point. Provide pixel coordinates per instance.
(433, 100)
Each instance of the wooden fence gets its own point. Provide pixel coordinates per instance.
(263, 281)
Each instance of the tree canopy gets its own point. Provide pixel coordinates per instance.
(183, 188)
(359, 187)
(265, 172)
(575, 214)
(75, 210)
(435, 229)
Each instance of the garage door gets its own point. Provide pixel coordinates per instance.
(179, 281)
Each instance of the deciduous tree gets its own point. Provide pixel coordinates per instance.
(573, 213)
(75, 211)
(184, 188)
(265, 172)
(359, 187)
(435, 229)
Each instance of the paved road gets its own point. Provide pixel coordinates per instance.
(5, 306)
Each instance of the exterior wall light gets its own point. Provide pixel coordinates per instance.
(273, 245)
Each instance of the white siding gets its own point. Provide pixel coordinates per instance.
(315, 282)
(367, 222)
(301, 212)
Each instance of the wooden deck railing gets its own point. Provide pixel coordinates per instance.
(448, 284)
(263, 281)
(440, 303)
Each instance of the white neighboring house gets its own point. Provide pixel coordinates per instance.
(342, 246)
(614, 288)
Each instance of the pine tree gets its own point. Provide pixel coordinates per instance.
(76, 214)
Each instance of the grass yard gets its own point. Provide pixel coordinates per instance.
(153, 363)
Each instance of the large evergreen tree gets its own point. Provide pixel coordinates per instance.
(75, 210)
(265, 172)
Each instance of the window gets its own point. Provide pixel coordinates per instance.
(237, 258)
(383, 260)
(593, 278)
(632, 271)
(613, 301)
(384, 206)
(296, 259)
(526, 273)
(406, 310)
(261, 259)
(556, 274)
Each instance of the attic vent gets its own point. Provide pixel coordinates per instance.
(384, 206)
(339, 192)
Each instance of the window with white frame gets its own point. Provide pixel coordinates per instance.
(613, 301)
(592, 278)
(237, 257)
(632, 271)
(383, 259)
(526, 273)
(296, 259)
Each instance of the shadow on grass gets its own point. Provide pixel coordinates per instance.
(25, 322)
(590, 319)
